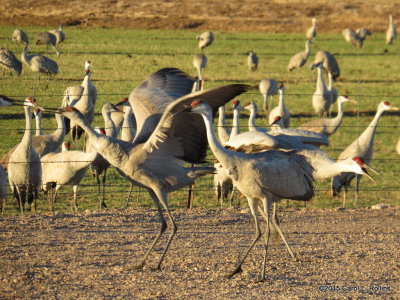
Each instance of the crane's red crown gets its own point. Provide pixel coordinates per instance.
(359, 160)
(236, 102)
(387, 103)
(195, 103)
(31, 99)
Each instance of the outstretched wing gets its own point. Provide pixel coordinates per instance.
(188, 127)
(153, 95)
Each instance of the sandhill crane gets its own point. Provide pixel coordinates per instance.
(85, 106)
(6, 101)
(38, 121)
(118, 116)
(100, 165)
(154, 160)
(361, 147)
(267, 88)
(253, 108)
(328, 127)
(64, 168)
(252, 61)
(236, 119)
(391, 32)
(200, 62)
(205, 39)
(281, 109)
(10, 62)
(312, 31)
(298, 60)
(39, 63)
(128, 131)
(59, 34)
(322, 98)
(47, 38)
(356, 38)
(328, 61)
(92, 90)
(19, 36)
(3, 188)
(24, 170)
(259, 177)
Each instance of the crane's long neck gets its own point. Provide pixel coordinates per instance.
(252, 119)
(38, 123)
(308, 50)
(59, 133)
(335, 122)
(127, 132)
(330, 81)
(330, 168)
(281, 103)
(24, 56)
(27, 138)
(320, 80)
(221, 115)
(219, 151)
(368, 135)
(235, 124)
(109, 125)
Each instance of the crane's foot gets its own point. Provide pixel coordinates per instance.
(103, 205)
(139, 266)
(237, 270)
(261, 278)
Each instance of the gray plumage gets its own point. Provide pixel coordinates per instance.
(59, 34)
(312, 31)
(128, 131)
(331, 88)
(298, 60)
(362, 147)
(356, 38)
(49, 39)
(24, 170)
(252, 61)
(223, 184)
(205, 39)
(3, 188)
(200, 62)
(267, 88)
(329, 126)
(10, 62)
(223, 131)
(322, 98)
(71, 95)
(391, 32)
(155, 159)
(19, 36)
(39, 64)
(328, 61)
(64, 168)
(260, 177)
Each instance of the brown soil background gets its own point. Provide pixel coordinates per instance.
(91, 254)
(234, 15)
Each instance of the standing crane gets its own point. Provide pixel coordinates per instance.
(205, 39)
(252, 61)
(299, 59)
(52, 38)
(59, 34)
(391, 32)
(322, 98)
(329, 63)
(312, 31)
(155, 159)
(64, 168)
(39, 64)
(236, 119)
(362, 147)
(100, 164)
(258, 177)
(356, 38)
(267, 88)
(10, 62)
(20, 37)
(200, 62)
(281, 109)
(24, 170)
(328, 127)
(253, 108)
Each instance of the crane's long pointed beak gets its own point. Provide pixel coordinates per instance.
(367, 174)
(353, 101)
(49, 109)
(370, 169)
(394, 108)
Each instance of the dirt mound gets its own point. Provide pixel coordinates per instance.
(233, 16)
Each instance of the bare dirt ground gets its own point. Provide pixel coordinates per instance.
(233, 15)
(350, 253)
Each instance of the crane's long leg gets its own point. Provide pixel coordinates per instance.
(358, 178)
(75, 189)
(129, 196)
(159, 199)
(21, 206)
(103, 202)
(266, 212)
(253, 204)
(345, 195)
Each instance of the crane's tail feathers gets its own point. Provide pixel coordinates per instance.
(200, 171)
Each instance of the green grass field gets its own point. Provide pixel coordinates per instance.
(122, 58)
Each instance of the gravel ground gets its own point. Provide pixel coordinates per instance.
(342, 253)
